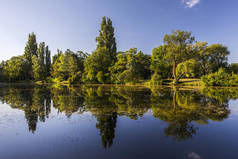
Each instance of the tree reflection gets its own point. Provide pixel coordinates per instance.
(106, 123)
(180, 108)
(67, 101)
(34, 101)
(97, 101)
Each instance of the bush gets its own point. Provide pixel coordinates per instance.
(156, 79)
(220, 78)
(189, 69)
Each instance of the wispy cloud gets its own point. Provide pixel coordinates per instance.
(193, 155)
(190, 3)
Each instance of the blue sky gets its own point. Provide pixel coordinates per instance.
(74, 24)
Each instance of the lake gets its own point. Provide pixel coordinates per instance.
(109, 122)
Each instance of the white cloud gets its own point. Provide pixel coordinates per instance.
(193, 155)
(190, 3)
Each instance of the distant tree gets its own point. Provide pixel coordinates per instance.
(2, 76)
(131, 74)
(160, 65)
(144, 62)
(47, 61)
(131, 66)
(41, 62)
(211, 57)
(233, 68)
(98, 61)
(218, 56)
(56, 56)
(178, 48)
(15, 68)
(30, 50)
(38, 68)
(202, 57)
(68, 65)
(41, 52)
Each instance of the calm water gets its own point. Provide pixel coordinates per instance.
(40, 122)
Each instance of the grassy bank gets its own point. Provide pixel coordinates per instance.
(182, 82)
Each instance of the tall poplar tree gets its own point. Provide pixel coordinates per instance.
(41, 53)
(47, 60)
(106, 37)
(30, 50)
(98, 63)
(41, 62)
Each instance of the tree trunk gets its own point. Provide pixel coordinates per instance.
(174, 73)
(174, 70)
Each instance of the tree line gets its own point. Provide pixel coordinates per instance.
(180, 56)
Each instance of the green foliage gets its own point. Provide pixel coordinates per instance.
(178, 57)
(178, 48)
(181, 109)
(159, 63)
(68, 66)
(106, 37)
(37, 67)
(15, 68)
(30, 50)
(202, 56)
(41, 63)
(156, 79)
(211, 57)
(77, 78)
(220, 78)
(233, 68)
(130, 67)
(2, 75)
(218, 56)
(47, 61)
(189, 69)
(186, 58)
(99, 61)
(144, 62)
(100, 77)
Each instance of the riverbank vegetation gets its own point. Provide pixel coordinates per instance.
(180, 57)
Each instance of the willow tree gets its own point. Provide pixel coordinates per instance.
(178, 47)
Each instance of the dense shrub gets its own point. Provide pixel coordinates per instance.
(220, 78)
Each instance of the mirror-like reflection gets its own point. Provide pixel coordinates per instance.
(182, 109)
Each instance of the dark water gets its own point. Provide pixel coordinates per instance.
(42, 122)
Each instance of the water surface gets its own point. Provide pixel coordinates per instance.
(43, 122)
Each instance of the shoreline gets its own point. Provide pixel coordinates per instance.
(120, 85)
